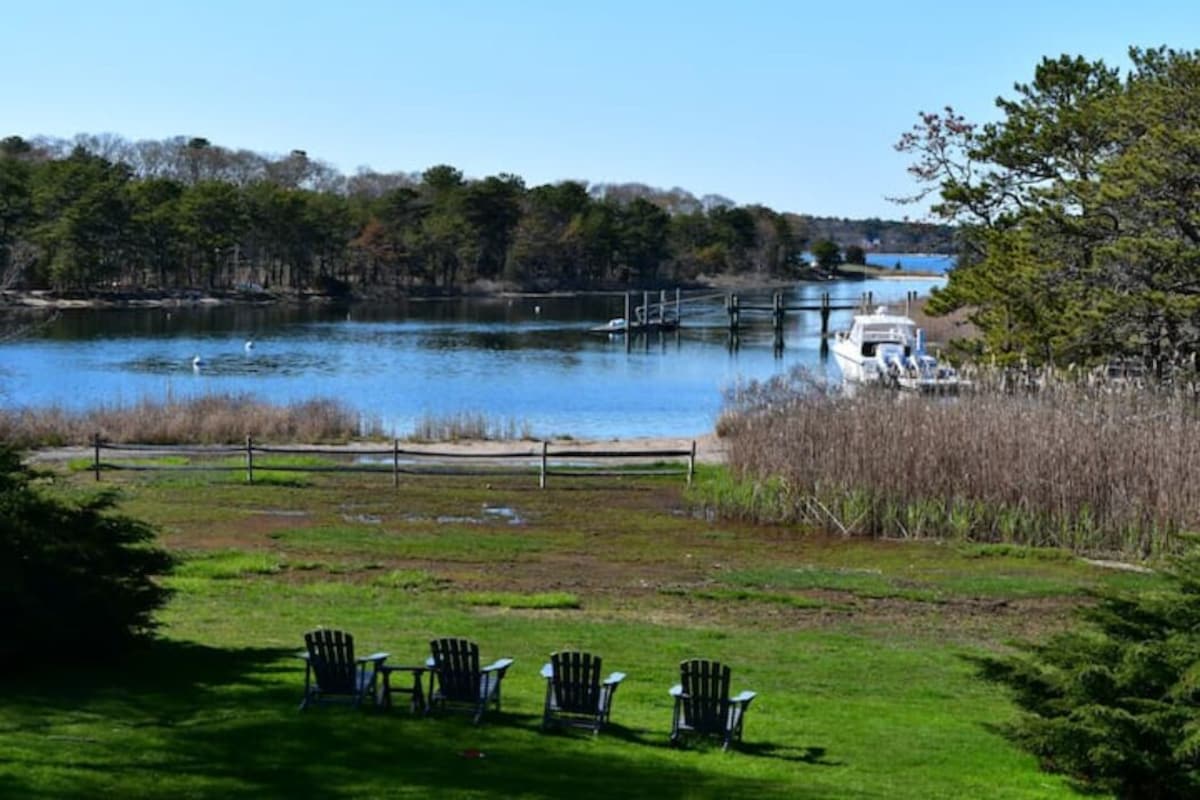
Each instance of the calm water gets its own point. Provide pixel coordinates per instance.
(922, 262)
(529, 360)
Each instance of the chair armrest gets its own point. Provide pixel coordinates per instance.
(499, 664)
(677, 691)
(378, 658)
(614, 679)
(744, 698)
(547, 671)
(303, 655)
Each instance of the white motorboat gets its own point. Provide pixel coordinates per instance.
(890, 349)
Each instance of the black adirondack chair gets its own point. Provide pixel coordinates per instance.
(332, 673)
(575, 695)
(458, 680)
(703, 705)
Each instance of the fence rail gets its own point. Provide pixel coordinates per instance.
(542, 460)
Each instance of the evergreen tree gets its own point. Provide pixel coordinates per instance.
(73, 576)
(1116, 703)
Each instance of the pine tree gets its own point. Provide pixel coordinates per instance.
(1116, 703)
(73, 576)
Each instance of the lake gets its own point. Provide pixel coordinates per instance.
(530, 360)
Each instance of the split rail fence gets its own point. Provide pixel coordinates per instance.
(542, 460)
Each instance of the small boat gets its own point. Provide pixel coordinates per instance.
(614, 325)
(889, 348)
(619, 325)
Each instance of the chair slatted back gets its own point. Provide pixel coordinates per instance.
(576, 681)
(331, 655)
(706, 690)
(457, 664)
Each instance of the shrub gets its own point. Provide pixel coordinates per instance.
(73, 576)
(1116, 704)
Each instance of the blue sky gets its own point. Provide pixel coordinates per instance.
(795, 105)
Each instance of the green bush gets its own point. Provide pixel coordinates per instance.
(74, 577)
(1116, 703)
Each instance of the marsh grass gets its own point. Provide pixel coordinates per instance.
(208, 419)
(468, 425)
(1097, 469)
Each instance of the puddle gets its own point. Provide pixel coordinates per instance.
(364, 519)
(504, 512)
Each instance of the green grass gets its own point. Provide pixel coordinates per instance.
(519, 600)
(856, 649)
(228, 564)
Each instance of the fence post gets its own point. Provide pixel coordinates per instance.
(395, 463)
(628, 320)
(96, 442)
(249, 459)
(691, 464)
(542, 477)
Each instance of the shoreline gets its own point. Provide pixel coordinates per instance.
(48, 300)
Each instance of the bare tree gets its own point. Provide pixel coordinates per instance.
(21, 256)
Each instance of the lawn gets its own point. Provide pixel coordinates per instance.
(857, 649)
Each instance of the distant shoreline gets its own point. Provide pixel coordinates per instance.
(44, 299)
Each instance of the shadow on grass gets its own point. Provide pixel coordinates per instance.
(182, 718)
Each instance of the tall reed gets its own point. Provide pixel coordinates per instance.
(463, 425)
(208, 419)
(1108, 468)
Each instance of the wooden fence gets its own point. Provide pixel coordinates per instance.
(542, 460)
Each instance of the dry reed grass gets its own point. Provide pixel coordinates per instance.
(1097, 469)
(468, 425)
(209, 419)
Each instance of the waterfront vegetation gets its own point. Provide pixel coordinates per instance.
(1103, 467)
(184, 214)
(857, 647)
(229, 419)
(205, 419)
(473, 425)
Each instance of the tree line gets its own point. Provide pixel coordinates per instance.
(1078, 212)
(183, 213)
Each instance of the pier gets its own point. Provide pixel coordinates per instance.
(667, 313)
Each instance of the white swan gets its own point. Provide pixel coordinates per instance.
(197, 361)
(249, 345)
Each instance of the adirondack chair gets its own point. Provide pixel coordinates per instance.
(703, 705)
(575, 695)
(331, 672)
(458, 680)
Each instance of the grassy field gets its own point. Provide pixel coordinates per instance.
(855, 647)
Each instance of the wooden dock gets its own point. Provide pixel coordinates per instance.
(667, 315)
